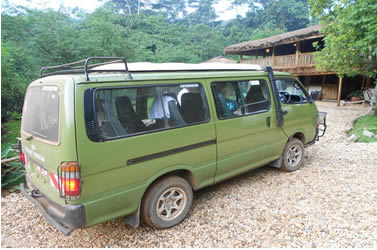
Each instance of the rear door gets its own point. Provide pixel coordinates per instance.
(48, 131)
(247, 135)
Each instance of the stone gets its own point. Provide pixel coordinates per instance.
(353, 137)
(368, 133)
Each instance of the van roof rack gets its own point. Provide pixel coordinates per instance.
(182, 67)
(83, 66)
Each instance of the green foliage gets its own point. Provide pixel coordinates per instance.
(356, 93)
(351, 36)
(365, 123)
(12, 173)
(277, 14)
(14, 78)
(11, 130)
(138, 30)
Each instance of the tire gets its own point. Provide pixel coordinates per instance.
(167, 202)
(293, 155)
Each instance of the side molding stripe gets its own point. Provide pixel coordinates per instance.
(170, 152)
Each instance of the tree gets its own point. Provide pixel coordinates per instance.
(277, 14)
(172, 10)
(350, 27)
(131, 7)
(204, 12)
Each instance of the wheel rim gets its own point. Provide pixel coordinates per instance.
(294, 155)
(171, 204)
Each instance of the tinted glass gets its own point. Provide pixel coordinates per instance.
(237, 98)
(128, 111)
(40, 116)
(290, 91)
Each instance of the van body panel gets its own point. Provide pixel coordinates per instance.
(246, 142)
(113, 187)
(300, 118)
(44, 157)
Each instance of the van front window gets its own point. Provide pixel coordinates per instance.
(40, 116)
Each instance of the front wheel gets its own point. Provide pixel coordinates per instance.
(293, 155)
(167, 202)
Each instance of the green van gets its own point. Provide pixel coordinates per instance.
(107, 140)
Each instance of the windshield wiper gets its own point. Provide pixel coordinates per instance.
(39, 135)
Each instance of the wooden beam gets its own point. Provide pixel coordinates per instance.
(312, 74)
(273, 55)
(339, 91)
(297, 51)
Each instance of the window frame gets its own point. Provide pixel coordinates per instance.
(104, 139)
(302, 87)
(243, 115)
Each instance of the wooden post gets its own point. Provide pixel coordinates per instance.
(240, 58)
(323, 84)
(273, 55)
(307, 82)
(297, 51)
(339, 91)
(368, 82)
(362, 83)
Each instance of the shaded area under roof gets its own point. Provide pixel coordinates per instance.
(285, 38)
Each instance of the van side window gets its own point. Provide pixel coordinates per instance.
(238, 98)
(122, 112)
(290, 91)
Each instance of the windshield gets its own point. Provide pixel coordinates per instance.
(40, 116)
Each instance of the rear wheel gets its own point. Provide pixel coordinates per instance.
(293, 155)
(167, 202)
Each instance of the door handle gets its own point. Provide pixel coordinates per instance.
(268, 121)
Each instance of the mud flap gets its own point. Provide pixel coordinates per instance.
(277, 163)
(133, 220)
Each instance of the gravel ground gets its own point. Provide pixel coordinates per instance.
(330, 202)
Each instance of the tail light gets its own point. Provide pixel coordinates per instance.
(22, 155)
(69, 180)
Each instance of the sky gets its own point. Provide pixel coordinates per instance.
(222, 7)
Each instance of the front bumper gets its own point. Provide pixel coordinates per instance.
(64, 218)
(321, 128)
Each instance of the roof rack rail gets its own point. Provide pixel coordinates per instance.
(85, 67)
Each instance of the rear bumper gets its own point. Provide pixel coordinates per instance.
(64, 218)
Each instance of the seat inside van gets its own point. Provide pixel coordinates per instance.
(127, 115)
(108, 123)
(167, 105)
(190, 103)
(255, 99)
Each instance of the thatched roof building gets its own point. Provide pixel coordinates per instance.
(285, 38)
(294, 52)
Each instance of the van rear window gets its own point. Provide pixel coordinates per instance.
(128, 111)
(40, 116)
